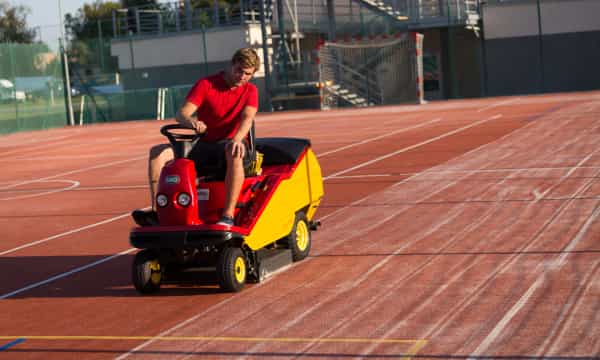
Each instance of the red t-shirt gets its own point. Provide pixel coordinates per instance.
(219, 106)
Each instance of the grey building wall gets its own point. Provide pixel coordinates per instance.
(560, 52)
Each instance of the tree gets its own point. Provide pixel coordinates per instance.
(84, 24)
(13, 23)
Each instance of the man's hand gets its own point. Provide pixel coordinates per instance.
(198, 125)
(237, 149)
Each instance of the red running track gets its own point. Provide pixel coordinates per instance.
(460, 229)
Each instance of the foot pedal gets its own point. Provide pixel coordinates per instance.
(272, 261)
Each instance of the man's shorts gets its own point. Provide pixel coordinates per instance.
(210, 160)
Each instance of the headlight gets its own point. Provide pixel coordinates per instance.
(184, 199)
(162, 200)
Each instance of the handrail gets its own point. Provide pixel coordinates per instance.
(311, 15)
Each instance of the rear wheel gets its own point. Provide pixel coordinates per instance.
(232, 269)
(299, 239)
(146, 272)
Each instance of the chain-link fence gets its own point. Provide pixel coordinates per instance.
(143, 104)
(31, 88)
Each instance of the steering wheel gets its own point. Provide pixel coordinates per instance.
(182, 138)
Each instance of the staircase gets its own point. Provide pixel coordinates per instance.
(385, 7)
(351, 86)
(348, 96)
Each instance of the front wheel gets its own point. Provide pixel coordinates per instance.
(299, 239)
(232, 269)
(146, 272)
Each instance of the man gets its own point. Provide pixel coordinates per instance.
(221, 106)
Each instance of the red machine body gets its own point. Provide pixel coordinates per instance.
(206, 197)
(178, 177)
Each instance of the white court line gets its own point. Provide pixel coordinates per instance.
(499, 104)
(72, 172)
(378, 137)
(65, 274)
(65, 234)
(554, 265)
(73, 185)
(408, 148)
(115, 187)
(548, 266)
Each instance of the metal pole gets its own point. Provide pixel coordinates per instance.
(331, 16)
(14, 79)
(204, 50)
(263, 29)
(67, 84)
(100, 52)
(81, 109)
(188, 15)
(60, 20)
(282, 47)
(114, 24)
(131, 50)
(541, 48)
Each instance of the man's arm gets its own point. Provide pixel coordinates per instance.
(247, 117)
(185, 116)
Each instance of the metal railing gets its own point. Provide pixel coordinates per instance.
(171, 17)
(352, 17)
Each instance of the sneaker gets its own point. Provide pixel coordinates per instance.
(226, 220)
(145, 217)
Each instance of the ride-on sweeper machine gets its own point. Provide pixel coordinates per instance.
(274, 215)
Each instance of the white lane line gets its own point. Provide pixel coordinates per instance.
(64, 234)
(505, 102)
(100, 166)
(548, 266)
(565, 323)
(73, 185)
(378, 137)
(514, 310)
(408, 148)
(115, 187)
(65, 274)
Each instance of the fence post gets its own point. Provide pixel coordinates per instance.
(216, 11)
(204, 51)
(137, 21)
(81, 108)
(188, 15)
(100, 45)
(158, 98)
(67, 84)
(114, 24)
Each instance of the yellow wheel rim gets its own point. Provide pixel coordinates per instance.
(302, 235)
(240, 270)
(155, 272)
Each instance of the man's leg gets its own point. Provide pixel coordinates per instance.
(159, 155)
(234, 179)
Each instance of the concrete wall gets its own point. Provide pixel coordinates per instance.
(563, 56)
(187, 48)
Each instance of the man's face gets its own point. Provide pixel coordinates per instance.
(240, 75)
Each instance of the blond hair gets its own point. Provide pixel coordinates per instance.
(247, 57)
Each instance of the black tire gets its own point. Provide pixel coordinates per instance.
(232, 269)
(299, 239)
(146, 272)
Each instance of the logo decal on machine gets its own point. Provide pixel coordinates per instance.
(172, 179)
(203, 194)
